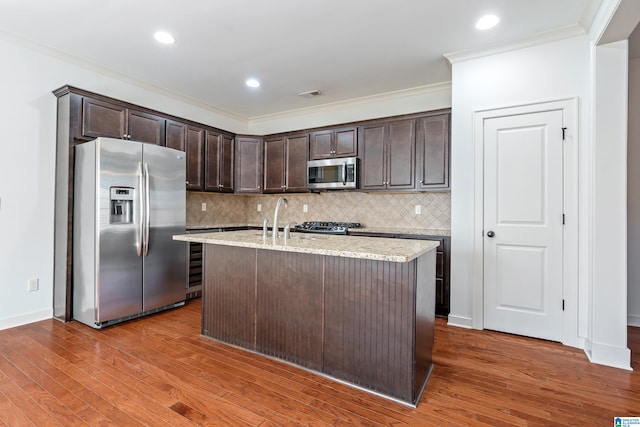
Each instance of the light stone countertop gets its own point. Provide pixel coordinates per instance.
(379, 249)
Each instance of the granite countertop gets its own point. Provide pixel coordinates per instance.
(384, 230)
(380, 249)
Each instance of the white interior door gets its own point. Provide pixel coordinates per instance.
(523, 217)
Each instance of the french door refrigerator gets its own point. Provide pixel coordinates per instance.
(129, 200)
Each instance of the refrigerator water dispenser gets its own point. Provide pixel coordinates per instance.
(121, 200)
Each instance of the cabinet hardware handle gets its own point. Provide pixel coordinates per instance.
(421, 182)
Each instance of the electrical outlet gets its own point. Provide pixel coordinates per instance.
(259, 208)
(305, 208)
(204, 207)
(418, 210)
(32, 285)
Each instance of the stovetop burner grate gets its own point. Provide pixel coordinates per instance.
(326, 227)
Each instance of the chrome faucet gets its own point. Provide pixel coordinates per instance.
(275, 217)
(287, 230)
(265, 228)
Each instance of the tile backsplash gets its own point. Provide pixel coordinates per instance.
(379, 210)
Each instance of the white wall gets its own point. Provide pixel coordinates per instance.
(607, 334)
(633, 196)
(547, 72)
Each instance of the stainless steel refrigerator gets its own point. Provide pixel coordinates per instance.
(129, 200)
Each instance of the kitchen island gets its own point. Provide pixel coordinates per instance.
(356, 309)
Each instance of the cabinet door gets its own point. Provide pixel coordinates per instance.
(274, 167)
(373, 173)
(212, 151)
(297, 154)
(248, 172)
(400, 153)
(145, 127)
(175, 135)
(346, 142)
(195, 158)
(432, 165)
(226, 155)
(321, 145)
(100, 118)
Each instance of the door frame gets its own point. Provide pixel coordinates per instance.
(569, 108)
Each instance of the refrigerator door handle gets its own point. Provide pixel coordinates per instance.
(147, 209)
(139, 228)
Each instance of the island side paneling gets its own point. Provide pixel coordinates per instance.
(367, 322)
(289, 310)
(229, 295)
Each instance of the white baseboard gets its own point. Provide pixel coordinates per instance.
(633, 320)
(608, 355)
(23, 319)
(460, 322)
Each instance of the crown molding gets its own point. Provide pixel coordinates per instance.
(354, 102)
(541, 38)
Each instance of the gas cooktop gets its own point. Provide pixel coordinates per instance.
(325, 227)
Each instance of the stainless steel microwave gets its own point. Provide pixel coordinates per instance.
(334, 174)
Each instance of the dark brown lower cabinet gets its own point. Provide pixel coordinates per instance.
(366, 322)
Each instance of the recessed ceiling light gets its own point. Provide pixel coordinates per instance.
(252, 83)
(487, 21)
(164, 37)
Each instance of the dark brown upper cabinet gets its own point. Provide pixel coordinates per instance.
(432, 152)
(330, 143)
(248, 170)
(104, 119)
(387, 152)
(189, 139)
(285, 163)
(218, 161)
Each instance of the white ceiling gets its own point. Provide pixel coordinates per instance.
(344, 48)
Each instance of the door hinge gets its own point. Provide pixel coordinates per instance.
(562, 305)
(562, 219)
(563, 131)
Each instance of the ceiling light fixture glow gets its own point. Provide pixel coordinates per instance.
(252, 83)
(487, 21)
(164, 37)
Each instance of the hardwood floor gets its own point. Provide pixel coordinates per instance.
(160, 371)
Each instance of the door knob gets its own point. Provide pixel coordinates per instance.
(490, 234)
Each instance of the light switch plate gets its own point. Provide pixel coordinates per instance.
(259, 208)
(418, 210)
(32, 285)
(305, 208)
(204, 207)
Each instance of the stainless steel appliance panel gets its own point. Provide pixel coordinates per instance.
(119, 266)
(107, 212)
(125, 261)
(165, 261)
(341, 173)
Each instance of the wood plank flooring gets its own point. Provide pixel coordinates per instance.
(159, 371)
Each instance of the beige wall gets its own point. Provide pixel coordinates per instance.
(376, 210)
